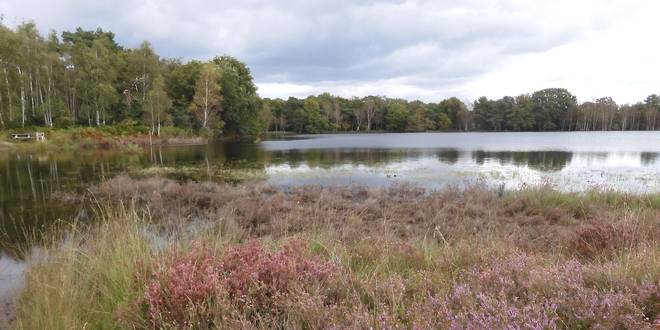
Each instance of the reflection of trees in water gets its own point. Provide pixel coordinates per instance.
(328, 158)
(540, 160)
(650, 158)
(28, 179)
(449, 156)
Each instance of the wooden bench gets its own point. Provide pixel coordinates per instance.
(39, 136)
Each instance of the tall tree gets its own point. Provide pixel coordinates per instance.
(315, 122)
(180, 79)
(521, 117)
(157, 102)
(397, 116)
(241, 104)
(207, 101)
(551, 106)
(457, 113)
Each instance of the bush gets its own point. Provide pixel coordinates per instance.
(247, 284)
(173, 132)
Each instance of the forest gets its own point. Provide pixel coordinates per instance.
(85, 78)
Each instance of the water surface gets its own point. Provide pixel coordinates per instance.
(570, 161)
(34, 185)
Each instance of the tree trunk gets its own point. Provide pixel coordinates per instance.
(31, 93)
(206, 101)
(9, 101)
(20, 78)
(48, 97)
(22, 106)
(2, 121)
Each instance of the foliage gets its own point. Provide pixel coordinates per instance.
(207, 101)
(240, 103)
(551, 106)
(86, 78)
(397, 117)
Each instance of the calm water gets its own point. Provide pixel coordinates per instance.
(625, 161)
(572, 161)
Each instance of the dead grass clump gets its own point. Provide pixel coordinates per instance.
(598, 237)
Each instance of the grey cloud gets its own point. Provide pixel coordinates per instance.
(430, 45)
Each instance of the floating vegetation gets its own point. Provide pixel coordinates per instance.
(215, 173)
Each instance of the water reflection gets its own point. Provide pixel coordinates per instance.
(29, 180)
(540, 160)
(650, 158)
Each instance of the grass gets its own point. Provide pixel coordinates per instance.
(117, 137)
(215, 173)
(165, 254)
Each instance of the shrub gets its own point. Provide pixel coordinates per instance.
(248, 283)
(173, 132)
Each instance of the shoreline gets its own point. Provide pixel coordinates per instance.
(95, 138)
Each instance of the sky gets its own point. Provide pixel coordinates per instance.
(417, 49)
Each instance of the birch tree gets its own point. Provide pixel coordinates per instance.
(206, 103)
(157, 102)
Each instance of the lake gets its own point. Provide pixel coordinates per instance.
(34, 185)
(569, 161)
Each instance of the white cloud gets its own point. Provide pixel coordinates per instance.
(413, 49)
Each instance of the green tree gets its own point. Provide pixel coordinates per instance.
(396, 117)
(457, 112)
(418, 118)
(157, 102)
(521, 117)
(92, 62)
(315, 122)
(488, 115)
(241, 104)
(551, 107)
(504, 108)
(180, 80)
(207, 101)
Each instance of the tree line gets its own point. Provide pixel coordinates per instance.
(87, 78)
(552, 109)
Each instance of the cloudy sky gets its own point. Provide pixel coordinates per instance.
(418, 49)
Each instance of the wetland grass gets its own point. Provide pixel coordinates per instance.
(165, 254)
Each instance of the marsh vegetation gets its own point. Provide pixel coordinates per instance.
(166, 254)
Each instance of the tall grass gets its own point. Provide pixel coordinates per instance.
(86, 275)
(222, 256)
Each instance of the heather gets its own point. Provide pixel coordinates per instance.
(167, 254)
